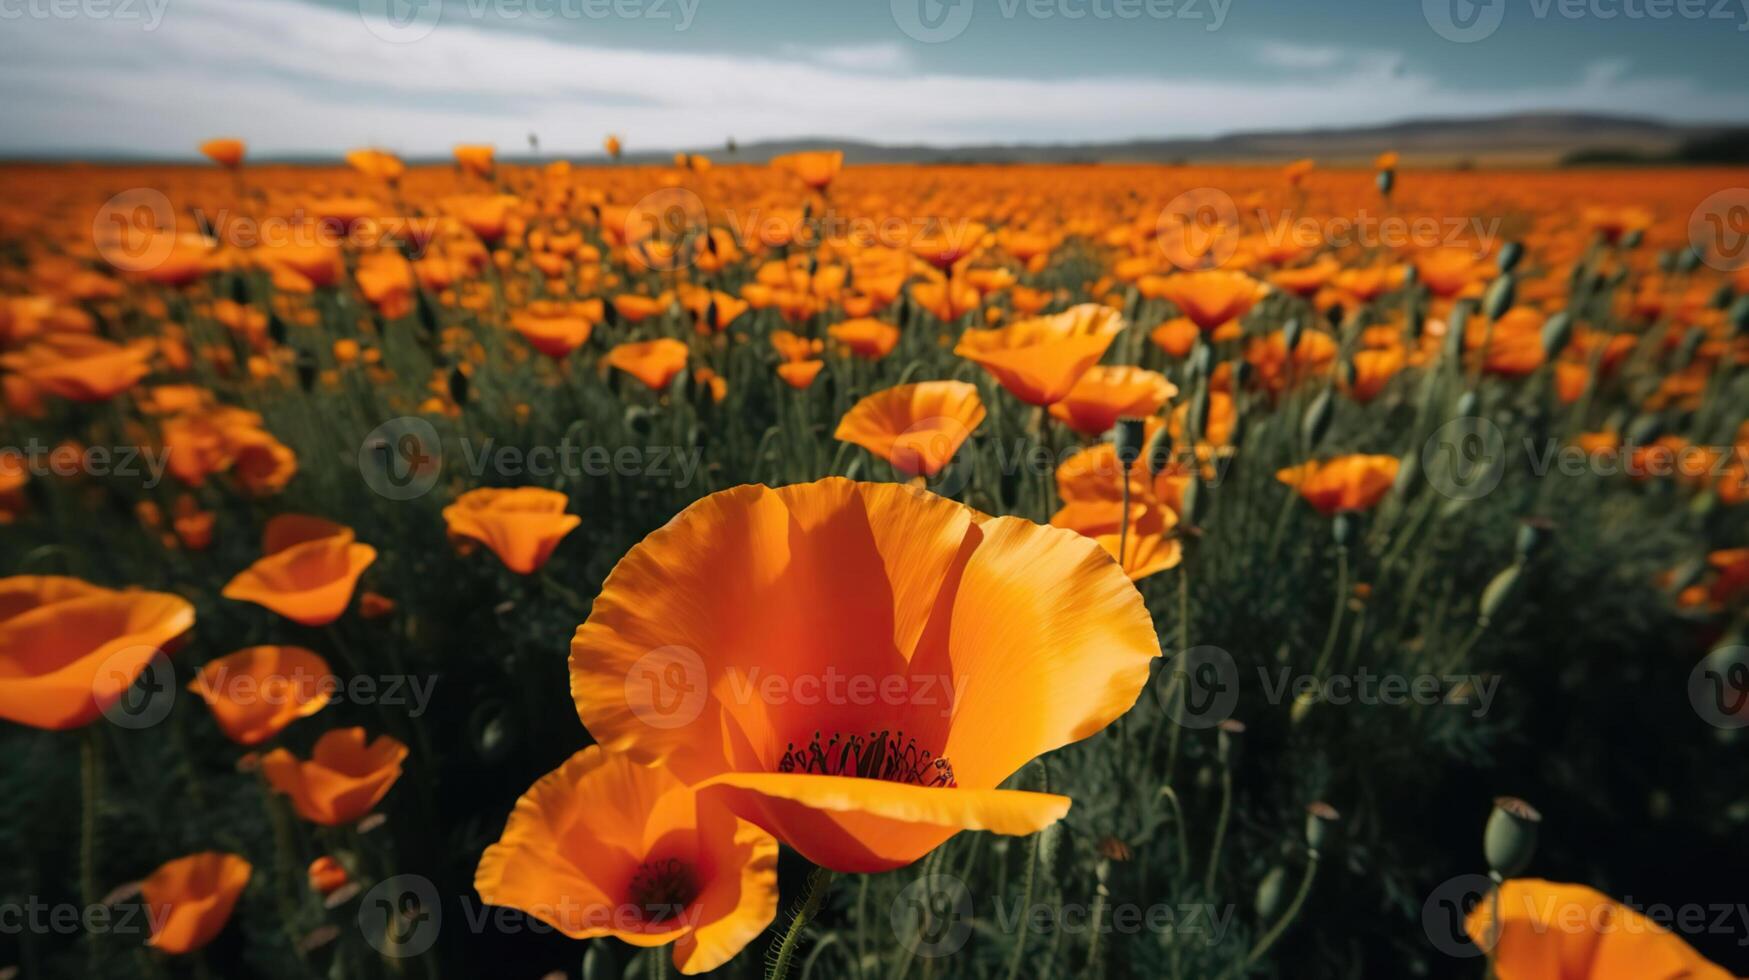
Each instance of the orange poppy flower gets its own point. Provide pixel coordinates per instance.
(603, 846)
(948, 299)
(227, 153)
(792, 347)
(1040, 360)
(635, 308)
(1450, 270)
(69, 649)
(1373, 369)
(476, 158)
(554, 331)
(307, 570)
(612, 145)
(1344, 483)
(327, 875)
(1553, 931)
(81, 367)
(654, 362)
(816, 169)
(344, 778)
(799, 374)
(256, 692)
(1176, 336)
(866, 337)
(1106, 393)
(1041, 637)
(189, 900)
(915, 427)
(1212, 297)
(1144, 554)
(376, 163)
(1306, 279)
(521, 525)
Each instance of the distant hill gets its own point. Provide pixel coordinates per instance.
(1527, 139)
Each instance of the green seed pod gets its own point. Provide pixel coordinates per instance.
(1386, 180)
(1740, 315)
(1666, 261)
(1270, 892)
(1687, 260)
(1290, 334)
(1533, 533)
(1721, 298)
(1499, 297)
(1342, 528)
(1159, 451)
(1498, 591)
(1318, 416)
(1510, 254)
(1320, 817)
(1632, 240)
(1556, 333)
(1128, 440)
(1466, 404)
(1509, 841)
(1644, 429)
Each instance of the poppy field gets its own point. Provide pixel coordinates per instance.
(502, 567)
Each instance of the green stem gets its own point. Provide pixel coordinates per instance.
(1208, 878)
(1335, 614)
(819, 882)
(91, 780)
(1293, 910)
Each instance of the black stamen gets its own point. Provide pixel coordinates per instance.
(882, 755)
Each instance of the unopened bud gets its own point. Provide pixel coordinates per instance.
(1128, 440)
(1498, 591)
(1510, 253)
(1317, 420)
(1556, 333)
(1320, 817)
(1270, 892)
(1509, 841)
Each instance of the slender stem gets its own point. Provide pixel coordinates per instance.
(658, 956)
(91, 773)
(1293, 910)
(819, 882)
(1335, 614)
(1029, 882)
(1208, 877)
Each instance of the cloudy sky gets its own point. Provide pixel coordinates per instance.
(154, 77)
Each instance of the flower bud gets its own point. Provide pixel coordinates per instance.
(1386, 180)
(1509, 841)
(1290, 334)
(1643, 429)
(1533, 533)
(1466, 404)
(1270, 892)
(1497, 592)
(1317, 420)
(1227, 739)
(1499, 296)
(1320, 817)
(1128, 440)
(1510, 253)
(1342, 528)
(1556, 333)
(1455, 328)
(1632, 239)
(1158, 452)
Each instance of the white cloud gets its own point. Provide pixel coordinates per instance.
(295, 78)
(1289, 54)
(881, 56)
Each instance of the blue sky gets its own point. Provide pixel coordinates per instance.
(154, 77)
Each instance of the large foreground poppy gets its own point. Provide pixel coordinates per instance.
(602, 846)
(856, 667)
(1553, 931)
(70, 649)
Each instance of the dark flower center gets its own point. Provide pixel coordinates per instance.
(661, 889)
(878, 755)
